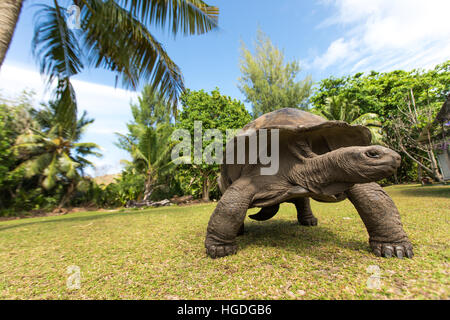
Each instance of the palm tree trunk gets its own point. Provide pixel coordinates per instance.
(9, 15)
(148, 187)
(68, 195)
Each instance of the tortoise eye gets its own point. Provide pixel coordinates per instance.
(372, 154)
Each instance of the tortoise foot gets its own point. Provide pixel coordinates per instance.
(221, 250)
(389, 250)
(310, 222)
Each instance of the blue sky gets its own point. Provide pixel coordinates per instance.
(328, 37)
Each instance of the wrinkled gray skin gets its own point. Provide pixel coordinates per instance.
(328, 161)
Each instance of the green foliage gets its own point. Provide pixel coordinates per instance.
(148, 143)
(215, 111)
(268, 82)
(340, 108)
(6, 142)
(385, 93)
(392, 96)
(41, 158)
(15, 119)
(53, 150)
(130, 186)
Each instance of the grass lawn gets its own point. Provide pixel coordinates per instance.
(159, 254)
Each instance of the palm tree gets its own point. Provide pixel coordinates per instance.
(113, 35)
(53, 151)
(148, 139)
(150, 154)
(9, 14)
(343, 109)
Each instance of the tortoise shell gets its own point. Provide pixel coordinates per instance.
(319, 134)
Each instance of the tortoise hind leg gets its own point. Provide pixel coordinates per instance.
(304, 214)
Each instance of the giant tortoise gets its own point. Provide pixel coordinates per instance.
(320, 159)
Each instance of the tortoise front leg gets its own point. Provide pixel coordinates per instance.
(382, 220)
(304, 213)
(227, 219)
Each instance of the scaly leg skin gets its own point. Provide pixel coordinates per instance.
(382, 220)
(304, 214)
(227, 219)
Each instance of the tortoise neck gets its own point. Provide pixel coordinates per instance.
(319, 171)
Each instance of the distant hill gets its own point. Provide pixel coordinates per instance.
(106, 179)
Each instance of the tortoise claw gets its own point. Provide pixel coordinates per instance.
(409, 253)
(389, 250)
(220, 251)
(377, 252)
(399, 252)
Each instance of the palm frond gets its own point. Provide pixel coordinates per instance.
(86, 146)
(66, 109)
(35, 165)
(82, 124)
(83, 162)
(50, 173)
(54, 44)
(128, 49)
(124, 142)
(182, 16)
(68, 166)
(368, 119)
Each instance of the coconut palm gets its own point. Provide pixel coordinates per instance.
(150, 153)
(148, 139)
(343, 109)
(113, 35)
(53, 151)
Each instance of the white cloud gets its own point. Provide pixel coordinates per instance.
(110, 107)
(338, 50)
(386, 34)
(92, 97)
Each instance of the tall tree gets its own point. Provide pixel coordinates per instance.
(215, 111)
(405, 129)
(269, 83)
(54, 151)
(147, 139)
(113, 35)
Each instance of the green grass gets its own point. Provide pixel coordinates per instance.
(159, 254)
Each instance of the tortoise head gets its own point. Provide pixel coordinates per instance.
(333, 172)
(365, 164)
